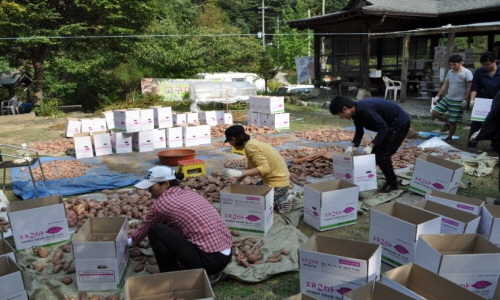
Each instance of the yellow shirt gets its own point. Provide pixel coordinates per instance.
(270, 163)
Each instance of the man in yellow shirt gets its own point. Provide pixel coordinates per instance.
(264, 161)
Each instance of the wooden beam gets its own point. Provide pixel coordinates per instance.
(317, 63)
(449, 50)
(404, 67)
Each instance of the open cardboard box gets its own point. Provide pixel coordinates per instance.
(11, 280)
(330, 204)
(101, 253)
(489, 227)
(434, 173)
(471, 205)
(396, 227)
(452, 220)
(375, 290)
(469, 260)
(6, 249)
(187, 284)
(38, 222)
(422, 284)
(331, 266)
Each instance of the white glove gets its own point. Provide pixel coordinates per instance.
(471, 103)
(130, 242)
(465, 104)
(435, 100)
(367, 150)
(474, 135)
(229, 173)
(349, 150)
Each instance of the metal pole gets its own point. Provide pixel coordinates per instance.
(263, 28)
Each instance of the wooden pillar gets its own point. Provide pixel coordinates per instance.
(404, 67)
(317, 64)
(449, 50)
(365, 58)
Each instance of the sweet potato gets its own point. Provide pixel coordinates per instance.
(42, 252)
(139, 267)
(66, 280)
(38, 266)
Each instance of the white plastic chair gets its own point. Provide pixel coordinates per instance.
(10, 105)
(393, 85)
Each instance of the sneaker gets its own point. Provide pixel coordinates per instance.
(216, 277)
(497, 201)
(285, 207)
(387, 188)
(445, 128)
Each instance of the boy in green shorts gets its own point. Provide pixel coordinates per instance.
(458, 82)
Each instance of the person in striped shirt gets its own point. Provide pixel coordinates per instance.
(458, 82)
(183, 228)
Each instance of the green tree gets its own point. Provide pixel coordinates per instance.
(266, 68)
(41, 27)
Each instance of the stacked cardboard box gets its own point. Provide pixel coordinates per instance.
(247, 208)
(331, 267)
(268, 111)
(101, 253)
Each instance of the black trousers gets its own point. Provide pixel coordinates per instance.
(474, 126)
(385, 150)
(171, 248)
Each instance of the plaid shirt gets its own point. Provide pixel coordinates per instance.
(192, 215)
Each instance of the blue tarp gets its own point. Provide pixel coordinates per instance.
(96, 179)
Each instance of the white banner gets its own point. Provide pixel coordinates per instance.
(305, 68)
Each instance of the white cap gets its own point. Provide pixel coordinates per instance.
(154, 175)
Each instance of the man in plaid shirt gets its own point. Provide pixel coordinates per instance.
(182, 227)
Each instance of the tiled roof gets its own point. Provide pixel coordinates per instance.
(437, 7)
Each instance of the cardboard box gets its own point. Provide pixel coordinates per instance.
(489, 226)
(192, 118)
(358, 169)
(143, 141)
(110, 119)
(162, 116)
(247, 208)
(174, 137)
(330, 204)
(422, 284)
(224, 117)
(330, 267)
(190, 135)
(375, 290)
(38, 222)
(73, 126)
(434, 173)
(102, 143)
(147, 119)
(127, 120)
(204, 134)
(300, 296)
(159, 138)
(87, 125)
(187, 284)
(179, 119)
(267, 104)
(100, 264)
(278, 121)
(121, 142)
(481, 108)
(208, 117)
(254, 118)
(471, 205)
(469, 260)
(83, 145)
(396, 227)
(452, 220)
(244, 196)
(99, 124)
(6, 249)
(11, 280)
